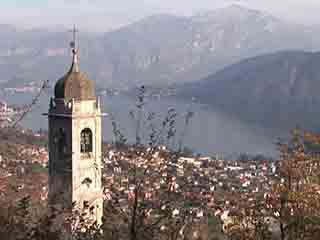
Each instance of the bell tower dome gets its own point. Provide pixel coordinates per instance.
(74, 119)
(74, 84)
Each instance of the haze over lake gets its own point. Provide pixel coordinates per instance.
(209, 131)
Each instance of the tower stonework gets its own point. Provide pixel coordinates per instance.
(75, 143)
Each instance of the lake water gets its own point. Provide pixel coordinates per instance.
(208, 132)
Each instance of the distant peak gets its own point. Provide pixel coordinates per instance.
(236, 11)
(237, 7)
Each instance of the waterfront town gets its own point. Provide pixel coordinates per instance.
(8, 113)
(217, 181)
(31, 87)
(5, 113)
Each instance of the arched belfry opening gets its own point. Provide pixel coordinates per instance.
(86, 141)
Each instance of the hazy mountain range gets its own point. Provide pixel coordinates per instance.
(157, 50)
(280, 89)
(243, 61)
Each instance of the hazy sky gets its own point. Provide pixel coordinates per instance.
(102, 14)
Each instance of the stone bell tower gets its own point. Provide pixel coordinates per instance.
(75, 142)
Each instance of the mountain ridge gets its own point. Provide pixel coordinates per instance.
(278, 89)
(158, 50)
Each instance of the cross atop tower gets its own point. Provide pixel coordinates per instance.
(74, 33)
(73, 45)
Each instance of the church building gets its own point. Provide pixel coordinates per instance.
(74, 118)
